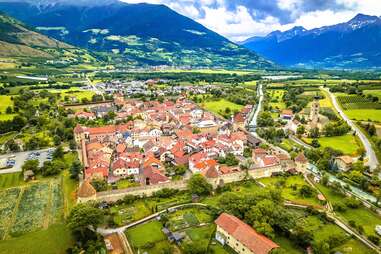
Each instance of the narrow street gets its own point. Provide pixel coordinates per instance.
(370, 154)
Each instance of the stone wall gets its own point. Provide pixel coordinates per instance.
(148, 190)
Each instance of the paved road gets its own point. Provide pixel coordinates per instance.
(370, 154)
(257, 109)
(299, 142)
(20, 158)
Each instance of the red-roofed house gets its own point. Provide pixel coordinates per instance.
(85, 115)
(268, 161)
(301, 162)
(241, 237)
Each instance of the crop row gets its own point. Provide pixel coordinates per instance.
(31, 211)
(357, 102)
(8, 200)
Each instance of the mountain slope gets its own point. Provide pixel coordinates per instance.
(136, 33)
(18, 40)
(354, 44)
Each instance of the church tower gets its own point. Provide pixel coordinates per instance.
(314, 114)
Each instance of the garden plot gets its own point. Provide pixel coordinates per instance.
(7, 205)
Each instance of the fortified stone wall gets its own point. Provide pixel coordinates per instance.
(148, 190)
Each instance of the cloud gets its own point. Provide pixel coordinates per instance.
(240, 19)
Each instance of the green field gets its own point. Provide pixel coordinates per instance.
(362, 216)
(373, 115)
(373, 92)
(218, 107)
(290, 189)
(348, 144)
(54, 240)
(10, 180)
(148, 237)
(5, 102)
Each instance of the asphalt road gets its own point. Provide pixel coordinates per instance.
(370, 154)
(20, 158)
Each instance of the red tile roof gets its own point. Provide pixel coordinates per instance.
(301, 158)
(246, 235)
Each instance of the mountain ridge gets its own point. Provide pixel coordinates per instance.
(352, 44)
(136, 33)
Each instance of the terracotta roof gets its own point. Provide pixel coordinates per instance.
(78, 129)
(346, 159)
(120, 148)
(301, 158)
(211, 173)
(246, 235)
(287, 112)
(86, 190)
(270, 160)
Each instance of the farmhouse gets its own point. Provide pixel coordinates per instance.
(241, 237)
(343, 163)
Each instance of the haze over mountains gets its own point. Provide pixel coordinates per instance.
(134, 33)
(354, 44)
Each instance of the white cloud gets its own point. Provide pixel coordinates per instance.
(239, 24)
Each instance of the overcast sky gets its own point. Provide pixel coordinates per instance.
(240, 19)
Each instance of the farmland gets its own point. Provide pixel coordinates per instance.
(348, 144)
(219, 107)
(5, 102)
(30, 208)
(357, 102)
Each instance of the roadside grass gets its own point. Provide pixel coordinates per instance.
(348, 144)
(54, 240)
(289, 145)
(290, 190)
(362, 216)
(326, 102)
(219, 107)
(10, 180)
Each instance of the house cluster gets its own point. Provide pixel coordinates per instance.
(169, 133)
(242, 116)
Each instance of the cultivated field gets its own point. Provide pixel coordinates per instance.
(30, 207)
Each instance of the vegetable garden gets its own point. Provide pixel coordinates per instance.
(29, 208)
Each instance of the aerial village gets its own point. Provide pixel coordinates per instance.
(170, 134)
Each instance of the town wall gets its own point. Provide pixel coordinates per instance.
(148, 190)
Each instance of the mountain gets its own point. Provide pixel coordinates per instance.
(16, 40)
(135, 33)
(354, 44)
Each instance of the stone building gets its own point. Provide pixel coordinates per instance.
(241, 237)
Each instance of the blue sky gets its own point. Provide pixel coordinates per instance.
(240, 19)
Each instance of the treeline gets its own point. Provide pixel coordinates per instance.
(190, 77)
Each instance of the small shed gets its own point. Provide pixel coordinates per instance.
(28, 175)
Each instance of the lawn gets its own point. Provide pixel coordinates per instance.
(142, 238)
(124, 214)
(201, 235)
(373, 92)
(10, 180)
(125, 183)
(7, 136)
(348, 144)
(288, 245)
(218, 107)
(54, 240)
(290, 189)
(69, 187)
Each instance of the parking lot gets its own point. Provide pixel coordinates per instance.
(19, 159)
